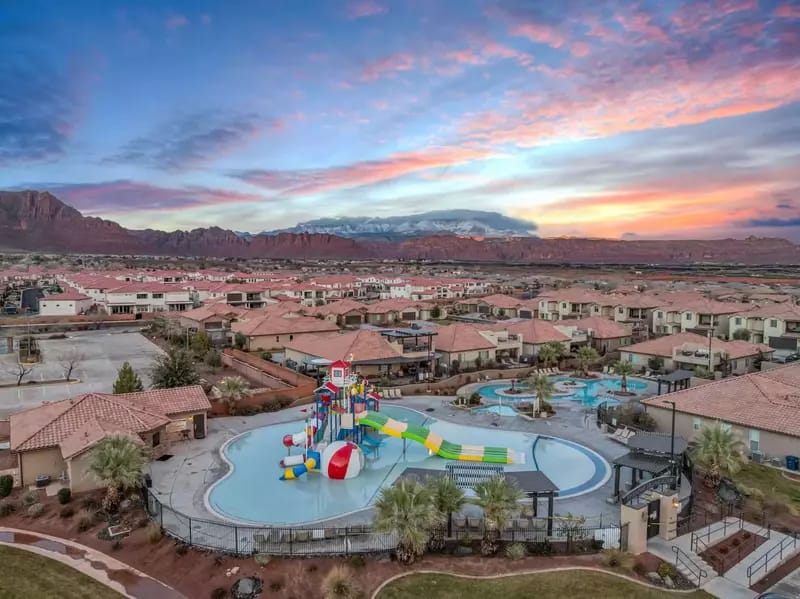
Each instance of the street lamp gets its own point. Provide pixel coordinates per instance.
(710, 334)
(672, 444)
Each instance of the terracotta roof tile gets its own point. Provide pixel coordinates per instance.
(601, 328)
(462, 337)
(663, 346)
(363, 345)
(536, 331)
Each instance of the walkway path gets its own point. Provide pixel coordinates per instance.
(789, 586)
(103, 568)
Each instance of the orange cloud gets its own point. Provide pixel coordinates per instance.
(539, 33)
(314, 181)
(388, 66)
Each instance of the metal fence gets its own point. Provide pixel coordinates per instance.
(569, 534)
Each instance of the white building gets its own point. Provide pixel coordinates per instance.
(69, 303)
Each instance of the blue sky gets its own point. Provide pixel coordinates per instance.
(612, 119)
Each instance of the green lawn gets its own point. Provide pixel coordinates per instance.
(771, 482)
(574, 584)
(26, 575)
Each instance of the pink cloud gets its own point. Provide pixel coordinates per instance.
(175, 22)
(579, 49)
(365, 8)
(541, 34)
(788, 11)
(388, 67)
(642, 24)
(314, 181)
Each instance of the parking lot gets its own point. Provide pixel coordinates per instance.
(101, 353)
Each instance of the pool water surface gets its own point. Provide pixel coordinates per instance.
(251, 492)
(589, 393)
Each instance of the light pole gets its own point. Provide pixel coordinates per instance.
(672, 444)
(710, 334)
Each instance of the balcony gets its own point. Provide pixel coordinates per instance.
(696, 355)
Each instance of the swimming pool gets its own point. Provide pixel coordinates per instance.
(252, 494)
(496, 409)
(589, 393)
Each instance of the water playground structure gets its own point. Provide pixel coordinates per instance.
(346, 426)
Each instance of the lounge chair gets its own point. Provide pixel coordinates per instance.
(459, 522)
(648, 374)
(605, 369)
(474, 523)
(398, 393)
(610, 370)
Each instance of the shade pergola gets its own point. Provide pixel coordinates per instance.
(639, 463)
(533, 483)
(675, 380)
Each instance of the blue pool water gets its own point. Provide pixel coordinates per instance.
(252, 493)
(594, 392)
(499, 410)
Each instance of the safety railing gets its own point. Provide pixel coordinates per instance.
(681, 557)
(701, 539)
(785, 546)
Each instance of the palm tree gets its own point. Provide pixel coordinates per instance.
(623, 369)
(231, 390)
(586, 356)
(117, 461)
(497, 497)
(406, 509)
(550, 353)
(717, 452)
(447, 498)
(543, 387)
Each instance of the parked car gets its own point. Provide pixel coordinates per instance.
(785, 359)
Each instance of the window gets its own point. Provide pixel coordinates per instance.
(697, 423)
(725, 426)
(738, 320)
(141, 296)
(659, 315)
(688, 316)
(156, 439)
(291, 337)
(733, 364)
(277, 338)
(755, 438)
(773, 323)
(563, 305)
(158, 296)
(621, 310)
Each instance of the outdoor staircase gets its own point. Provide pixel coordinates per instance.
(689, 564)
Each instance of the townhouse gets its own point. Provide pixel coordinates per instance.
(136, 298)
(267, 330)
(698, 315)
(600, 333)
(776, 324)
(464, 345)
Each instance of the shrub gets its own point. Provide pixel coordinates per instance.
(261, 560)
(116, 544)
(7, 508)
(616, 558)
(35, 510)
(736, 542)
(724, 550)
(181, 549)
(276, 586)
(153, 532)
(266, 356)
(64, 496)
(312, 568)
(85, 520)
(67, 511)
(219, 593)
(357, 561)
(666, 569)
(6, 485)
(474, 399)
(90, 503)
(516, 551)
(339, 583)
(30, 498)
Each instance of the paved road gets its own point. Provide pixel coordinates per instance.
(101, 354)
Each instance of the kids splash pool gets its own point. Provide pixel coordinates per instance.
(251, 492)
(588, 392)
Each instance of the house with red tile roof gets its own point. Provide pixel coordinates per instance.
(690, 350)
(696, 315)
(495, 305)
(390, 311)
(468, 345)
(779, 321)
(55, 439)
(762, 409)
(346, 312)
(214, 319)
(372, 352)
(269, 329)
(536, 333)
(600, 333)
(68, 303)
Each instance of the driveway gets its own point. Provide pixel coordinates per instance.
(101, 353)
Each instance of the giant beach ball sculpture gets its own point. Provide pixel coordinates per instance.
(342, 459)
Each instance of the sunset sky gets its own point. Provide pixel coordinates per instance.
(590, 118)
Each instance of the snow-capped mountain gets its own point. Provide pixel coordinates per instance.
(472, 223)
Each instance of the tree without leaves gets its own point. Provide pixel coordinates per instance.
(69, 361)
(127, 380)
(174, 369)
(231, 390)
(21, 371)
(118, 462)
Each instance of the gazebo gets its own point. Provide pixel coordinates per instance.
(533, 483)
(650, 453)
(675, 380)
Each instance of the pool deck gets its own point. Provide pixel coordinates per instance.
(182, 481)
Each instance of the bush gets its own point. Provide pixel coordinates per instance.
(516, 551)
(30, 498)
(153, 532)
(116, 544)
(666, 569)
(219, 593)
(266, 356)
(64, 496)
(616, 558)
(736, 542)
(357, 561)
(276, 586)
(67, 511)
(547, 408)
(85, 520)
(181, 549)
(340, 583)
(6, 485)
(474, 399)
(35, 510)
(261, 560)
(90, 503)
(7, 508)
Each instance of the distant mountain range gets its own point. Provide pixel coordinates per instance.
(466, 223)
(39, 222)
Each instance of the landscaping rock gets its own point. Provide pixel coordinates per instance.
(125, 505)
(247, 588)
(668, 582)
(654, 577)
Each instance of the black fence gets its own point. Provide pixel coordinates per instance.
(570, 534)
